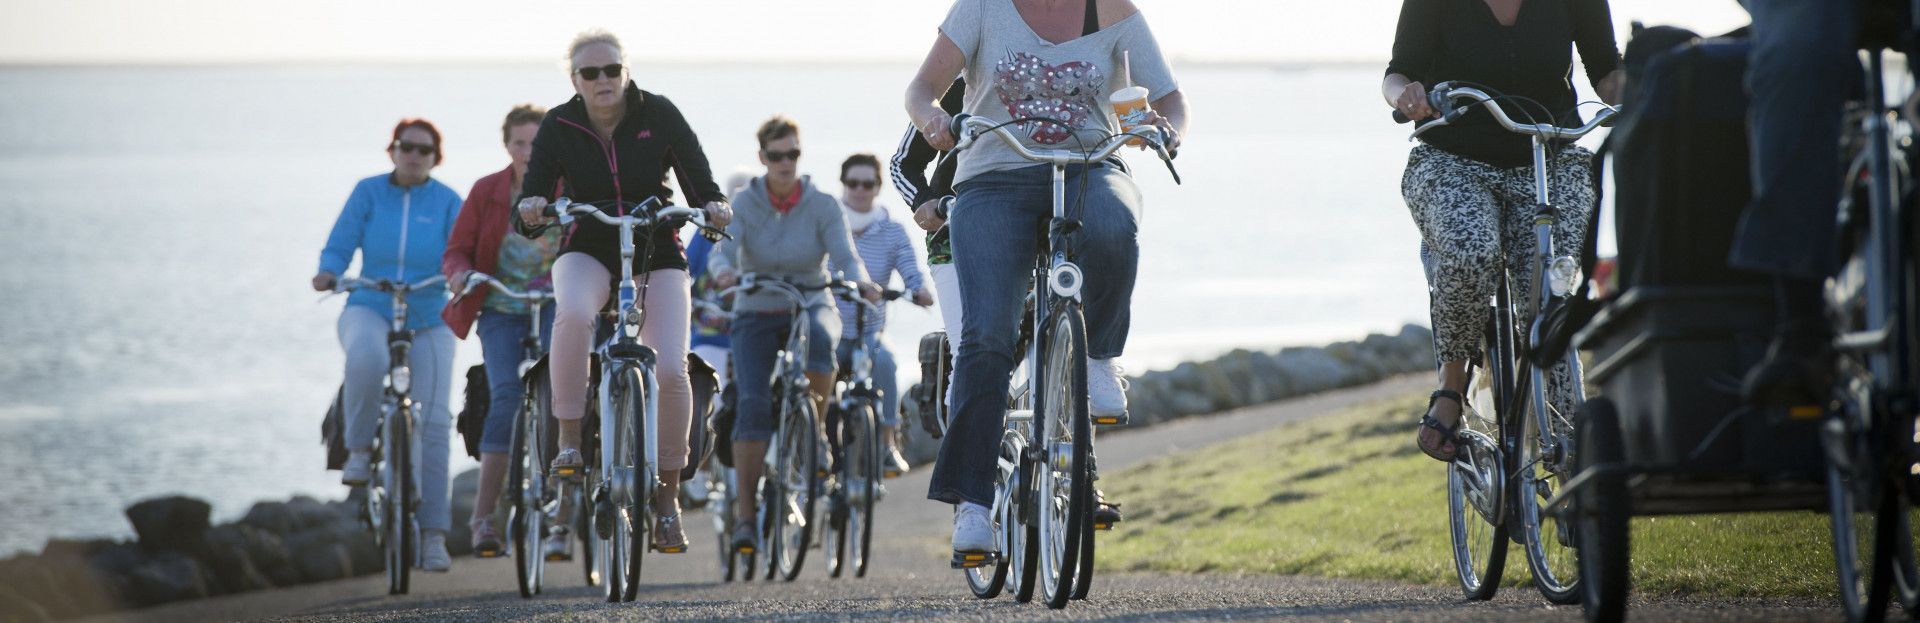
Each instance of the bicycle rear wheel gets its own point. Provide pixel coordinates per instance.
(987, 582)
(1476, 479)
(798, 471)
(1067, 436)
(527, 488)
(1861, 506)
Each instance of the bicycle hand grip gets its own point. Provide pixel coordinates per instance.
(958, 124)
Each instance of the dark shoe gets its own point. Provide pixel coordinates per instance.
(745, 540)
(1445, 449)
(1798, 370)
(1105, 513)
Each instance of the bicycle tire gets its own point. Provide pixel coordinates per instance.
(1063, 414)
(799, 485)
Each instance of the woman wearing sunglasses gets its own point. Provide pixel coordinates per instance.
(613, 141)
(399, 223)
(883, 246)
(791, 231)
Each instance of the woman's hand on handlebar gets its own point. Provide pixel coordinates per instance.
(1413, 102)
(457, 284)
(869, 291)
(923, 298)
(725, 279)
(533, 211)
(935, 128)
(1170, 138)
(719, 213)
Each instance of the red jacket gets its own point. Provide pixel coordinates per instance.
(475, 243)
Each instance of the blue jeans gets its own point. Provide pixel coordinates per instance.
(757, 338)
(886, 375)
(500, 350)
(998, 225)
(1798, 77)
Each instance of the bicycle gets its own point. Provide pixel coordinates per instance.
(1868, 430)
(719, 483)
(1510, 465)
(792, 477)
(854, 434)
(1054, 506)
(628, 466)
(393, 494)
(537, 506)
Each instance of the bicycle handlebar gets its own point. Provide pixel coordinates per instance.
(849, 291)
(475, 279)
(1150, 135)
(350, 284)
(645, 213)
(1442, 96)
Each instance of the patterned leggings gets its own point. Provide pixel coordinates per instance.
(1465, 209)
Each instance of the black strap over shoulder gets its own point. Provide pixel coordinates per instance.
(1092, 22)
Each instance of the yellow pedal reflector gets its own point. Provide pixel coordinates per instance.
(1103, 526)
(1804, 412)
(1106, 420)
(673, 550)
(556, 558)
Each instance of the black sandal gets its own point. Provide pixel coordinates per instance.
(1448, 434)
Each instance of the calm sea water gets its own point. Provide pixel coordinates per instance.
(158, 226)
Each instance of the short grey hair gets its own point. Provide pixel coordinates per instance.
(592, 37)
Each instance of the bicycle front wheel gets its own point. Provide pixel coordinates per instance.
(397, 480)
(1065, 497)
(1546, 440)
(798, 471)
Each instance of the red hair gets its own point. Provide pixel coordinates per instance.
(414, 122)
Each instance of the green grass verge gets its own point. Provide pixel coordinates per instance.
(1347, 495)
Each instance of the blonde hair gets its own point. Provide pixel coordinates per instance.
(592, 37)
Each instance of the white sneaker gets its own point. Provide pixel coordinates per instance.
(433, 553)
(971, 530)
(555, 547)
(1106, 388)
(359, 468)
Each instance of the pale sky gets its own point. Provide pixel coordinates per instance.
(892, 31)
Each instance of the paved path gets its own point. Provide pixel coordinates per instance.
(910, 579)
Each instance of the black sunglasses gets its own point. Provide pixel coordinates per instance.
(423, 149)
(781, 156)
(593, 73)
(861, 184)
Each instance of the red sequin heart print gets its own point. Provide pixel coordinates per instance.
(1031, 87)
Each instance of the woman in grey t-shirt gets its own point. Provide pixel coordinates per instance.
(1055, 59)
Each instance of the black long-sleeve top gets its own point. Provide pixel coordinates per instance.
(1460, 40)
(914, 154)
(570, 159)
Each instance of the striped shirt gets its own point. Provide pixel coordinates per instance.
(884, 249)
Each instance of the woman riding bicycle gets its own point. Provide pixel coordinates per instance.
(1468, 184)
(787, 230)
(883, 246)
(1055, 59)
(482, 243)
(398, 222)
(614, 143)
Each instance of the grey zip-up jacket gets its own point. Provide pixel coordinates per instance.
(805, 246)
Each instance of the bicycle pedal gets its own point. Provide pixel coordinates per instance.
(490, 552)
(567, 472)
(1102, 526)
(974, 560)
(891, 473)
(746, 550)
(1805, 412)
(1112, 420)
(680, 549)
(559, 557)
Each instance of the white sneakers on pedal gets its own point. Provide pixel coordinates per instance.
(972, 532)
(433, 552)
(359, 468)
(1106, 388)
